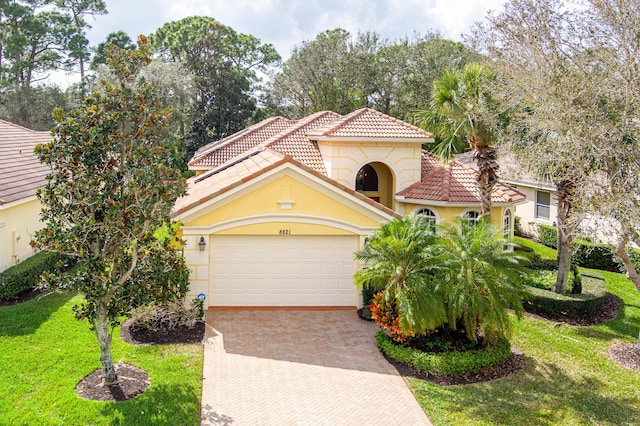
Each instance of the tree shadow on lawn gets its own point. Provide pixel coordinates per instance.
(159, 405)
(623, 325)
(537, 394)
(27, 317)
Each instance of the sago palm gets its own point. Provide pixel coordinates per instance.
(462, 117)
(397, 260)
(480, 281)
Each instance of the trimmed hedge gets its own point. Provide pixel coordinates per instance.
(548, 235)
(595, 256)
(445, 363)
(590, 300)
(24, 276)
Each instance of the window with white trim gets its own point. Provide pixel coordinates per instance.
(507, 222)
(430, 215)
(543, 205)
(472, 216)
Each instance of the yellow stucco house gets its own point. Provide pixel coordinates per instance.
(276, 211)
(21, 174)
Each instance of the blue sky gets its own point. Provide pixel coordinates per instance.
(285, 23)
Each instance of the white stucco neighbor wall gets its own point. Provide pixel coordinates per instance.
(527, 210)
(19, 221)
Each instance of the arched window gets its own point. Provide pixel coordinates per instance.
(506, 224)
(472, 216)
(367, 179)
(432, 219)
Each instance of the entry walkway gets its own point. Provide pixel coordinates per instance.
(300, 368)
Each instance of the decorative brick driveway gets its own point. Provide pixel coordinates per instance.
(300, 368)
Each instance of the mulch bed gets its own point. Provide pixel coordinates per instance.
(610, 310)
(624, 354)
(511, 366)
(181, 334)
(24, 297)
(132, 381)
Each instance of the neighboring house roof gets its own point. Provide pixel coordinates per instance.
(207, 186)
(454, 183)
(21, 173)
(511, 170)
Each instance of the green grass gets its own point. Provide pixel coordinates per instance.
(567, 379)
(544, 251)
(45, 352)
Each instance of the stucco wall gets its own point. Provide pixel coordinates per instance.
(527, 210)
(343, 160)
(18, 222)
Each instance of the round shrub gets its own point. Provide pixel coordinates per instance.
(445, 363)
(589, 301)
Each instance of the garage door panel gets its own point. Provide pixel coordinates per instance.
(282, 271)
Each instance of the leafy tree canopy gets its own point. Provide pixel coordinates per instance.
(110, 190)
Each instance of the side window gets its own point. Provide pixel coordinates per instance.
(543, 204)
(507, 224)
(472, 217)
(432, 219)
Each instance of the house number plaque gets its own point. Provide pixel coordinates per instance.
(285, 232)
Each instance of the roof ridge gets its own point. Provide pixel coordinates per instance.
(22, 127)
(446, 183)
(344, 119)
(299, 125)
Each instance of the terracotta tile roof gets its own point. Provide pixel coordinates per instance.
(369, 123)
(21, 173)
(296, 143)
(511, 168)
(219, 152)
(211, 184)
(454, 183)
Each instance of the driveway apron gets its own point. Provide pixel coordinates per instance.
(297, 367)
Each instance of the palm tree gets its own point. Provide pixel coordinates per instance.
(461, 118)
(398, 261)
(480, 281)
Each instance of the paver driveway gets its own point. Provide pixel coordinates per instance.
(289, 367)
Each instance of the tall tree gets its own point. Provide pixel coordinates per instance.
(338, 72)
(570, 73)
(78, 44)
(109, 194)
(462, 115)
(119, 39)
(224, 65)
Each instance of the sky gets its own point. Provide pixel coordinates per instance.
(287, 23)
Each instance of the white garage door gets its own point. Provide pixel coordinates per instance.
(282, 271)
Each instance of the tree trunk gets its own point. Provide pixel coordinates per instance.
(486, 159)
(103, 333)
(565, 235)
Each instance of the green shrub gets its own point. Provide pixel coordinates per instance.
(548, 235)
(445, 363)
(590, 300)
(595, 256)
(517, 227)
(167, 316)
(24, 276)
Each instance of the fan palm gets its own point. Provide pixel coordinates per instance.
(399, 262)
(461, 118)
(480, 280)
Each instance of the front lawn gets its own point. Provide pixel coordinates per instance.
(567, 379)
(45, 351)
